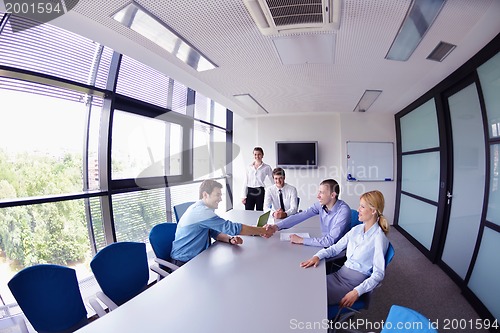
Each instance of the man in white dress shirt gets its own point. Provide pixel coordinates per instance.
(281, 197)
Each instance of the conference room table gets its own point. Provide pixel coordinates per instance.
(257, 286)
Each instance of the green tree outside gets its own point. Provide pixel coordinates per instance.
(44, 233)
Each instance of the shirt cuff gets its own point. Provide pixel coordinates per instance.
(360, 290)
(321, 254)
(307, 241)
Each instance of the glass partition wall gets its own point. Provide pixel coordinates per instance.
(448, 188)
(66, 189)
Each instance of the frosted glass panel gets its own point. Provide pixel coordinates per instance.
(469, 173)
(486, 274)
(419, 128)
(493, 214)
(489, 75)
(420, 175)
(418, 219)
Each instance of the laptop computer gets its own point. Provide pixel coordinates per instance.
(262, 221)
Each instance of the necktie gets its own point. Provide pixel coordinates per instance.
(282, 204)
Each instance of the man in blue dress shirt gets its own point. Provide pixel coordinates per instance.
(200, 223)
(334, 215)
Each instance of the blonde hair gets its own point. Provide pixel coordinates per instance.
(376, 201)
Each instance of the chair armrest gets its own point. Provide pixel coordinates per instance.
(106, 300)
(159, 271)
(97, 307)
(166, 264)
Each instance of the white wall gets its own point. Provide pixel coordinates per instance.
(331, 131)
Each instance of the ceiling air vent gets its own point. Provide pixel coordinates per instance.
(441, 51)
(275, 17)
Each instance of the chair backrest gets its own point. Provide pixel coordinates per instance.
(50, 298)
(122, 270)
(403, 319)
(298, 204)
(161, 237)
(180, 209)
(389, 254)
(354, 218)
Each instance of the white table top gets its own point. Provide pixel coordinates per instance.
(254, 287)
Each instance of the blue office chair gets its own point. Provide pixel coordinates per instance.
(121, 270)
(338, 314)
(400, 314)
(180, 209)
(354, 218)
(50, 298)
(161, 237)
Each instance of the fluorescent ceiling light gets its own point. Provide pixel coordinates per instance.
(417, 22)
(137, 18)
(367, 100)
(250, 104)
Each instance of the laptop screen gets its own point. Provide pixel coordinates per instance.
(263, 219)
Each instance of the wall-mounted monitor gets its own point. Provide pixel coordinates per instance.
(297, 154)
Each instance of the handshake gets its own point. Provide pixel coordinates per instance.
(269, 229)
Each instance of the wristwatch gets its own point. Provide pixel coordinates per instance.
(230, 239)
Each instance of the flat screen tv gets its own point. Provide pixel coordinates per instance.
(297, 154)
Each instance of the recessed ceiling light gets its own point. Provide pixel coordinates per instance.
(250, 104)
(369, 96)
(417, 22)
(137, 18)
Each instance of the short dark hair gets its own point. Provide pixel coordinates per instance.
(279, 172)
(333, 185)
(259, 149)
(208, 186)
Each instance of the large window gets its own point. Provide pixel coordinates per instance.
(39, 156)
(76, 174)
(135, 213)
(145, 147)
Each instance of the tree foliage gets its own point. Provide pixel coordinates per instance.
(44, 233)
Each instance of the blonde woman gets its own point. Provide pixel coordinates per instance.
(366, 246)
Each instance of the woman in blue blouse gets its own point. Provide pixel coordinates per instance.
(366, 246)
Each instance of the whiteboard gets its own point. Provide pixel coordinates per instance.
(370, 161)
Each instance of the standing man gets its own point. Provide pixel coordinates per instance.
(334, 216)
(254, 188)
(200, 223)
(281, 197)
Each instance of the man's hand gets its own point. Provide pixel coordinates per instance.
(314, 261)
(296, 239)
(236, 240)
(279, 214)
(269, 230)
